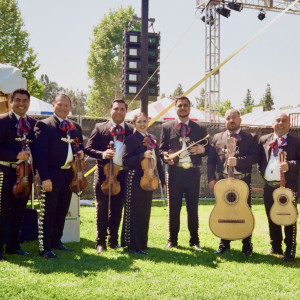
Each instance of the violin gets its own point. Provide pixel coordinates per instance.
(149, 181)
(111, 186)
(79, 182)
(24, 180)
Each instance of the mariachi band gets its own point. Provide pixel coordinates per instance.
(130, 167)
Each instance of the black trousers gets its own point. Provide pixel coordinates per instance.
(54, 208)
(108, 219)
(275, 230)
(9, 205)
(137, 213)
(247, 245)
(183, 182)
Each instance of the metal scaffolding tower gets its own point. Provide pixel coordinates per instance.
(212, 44)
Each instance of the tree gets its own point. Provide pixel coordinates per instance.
(14, 45)
(248, 103)
(178, 91)
(224, 106)
(78, 99)
(51, 88)
(105, 59)
(267, 100)
(248, 100)
(200, 102)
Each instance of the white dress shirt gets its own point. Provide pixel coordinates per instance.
(272, 172)
(70, 152)
(187, 158)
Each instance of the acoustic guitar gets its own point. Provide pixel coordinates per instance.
(231, 217)
(283, 211)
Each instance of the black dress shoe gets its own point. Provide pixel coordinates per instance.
(170, 245)
(196, 247)
(100, 249)
(139, 252)
(2, 258)
(221, 250)
(63, 248)
(247, 253)
(274, 252)
(48, 254)
(17, 251)
(288, 258)
(116, 246)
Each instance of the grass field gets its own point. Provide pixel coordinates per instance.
(181, 273)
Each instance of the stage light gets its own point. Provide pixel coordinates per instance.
(223, 11)
(210, 20)
(235, 6)
(261, 15)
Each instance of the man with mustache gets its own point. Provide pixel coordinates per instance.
(109, 213)
(245, 157)
(270, 168)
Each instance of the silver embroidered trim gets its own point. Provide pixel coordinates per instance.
(168, 199)
(129, 181)
(294, 244)
(41, 221)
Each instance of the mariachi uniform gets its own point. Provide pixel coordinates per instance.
(247, 155)
(12, 129)
(269, 169)
(53, 159)
(138, 201)
(108, 219)
(183, 177)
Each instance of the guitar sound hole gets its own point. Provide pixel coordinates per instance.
(282, 200)
(231, 197)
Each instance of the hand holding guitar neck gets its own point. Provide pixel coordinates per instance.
(283, 210)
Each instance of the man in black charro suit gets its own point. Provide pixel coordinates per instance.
(108, 218)
(270, 168)
(184, 173)
(245, 157)
(13, 126)
(54, 154)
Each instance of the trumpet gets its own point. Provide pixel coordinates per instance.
(173, 155)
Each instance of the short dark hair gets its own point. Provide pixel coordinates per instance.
(140, 114)
(182, 98)
(118, 101)
(62, 95)
(19, 91)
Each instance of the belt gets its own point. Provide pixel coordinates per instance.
(8, 164)
(237, 176)
(273, 183)
(185, 165)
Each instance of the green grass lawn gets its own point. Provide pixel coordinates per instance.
(181, 273)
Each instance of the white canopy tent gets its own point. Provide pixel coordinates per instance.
(39, 107)
(261, 118)
(11, 79)
(156, 107)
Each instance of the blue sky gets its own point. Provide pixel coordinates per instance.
(60, 32)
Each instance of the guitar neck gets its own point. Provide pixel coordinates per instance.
(230, 171)
(282, 179)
